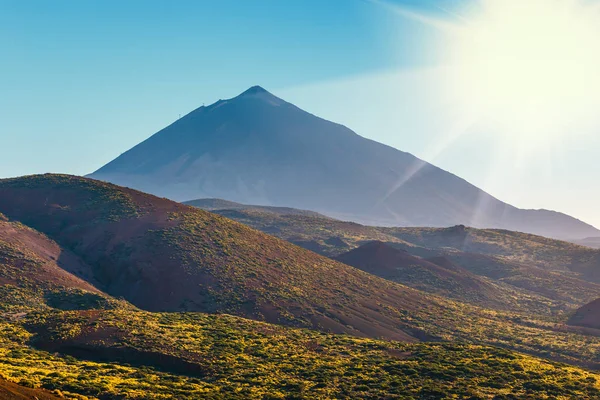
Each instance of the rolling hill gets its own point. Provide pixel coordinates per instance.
(163, 256)
(587, 315)
(322, 235)
(258, 149)
(544, 253)
(219, 204)
(64, 332)
(436, 275)
(540, 275)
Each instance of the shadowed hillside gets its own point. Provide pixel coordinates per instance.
(436, 275)
(35, 272)
(587, 315)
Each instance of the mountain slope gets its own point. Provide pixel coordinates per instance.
(259, 149)
(36, 272)
(436, 275)
(11, 391)
(544, 253)
(161, 255)
(325, 236)
(548, 275)
(587, 315)
(220, 205)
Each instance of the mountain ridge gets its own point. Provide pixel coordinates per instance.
(259, 149)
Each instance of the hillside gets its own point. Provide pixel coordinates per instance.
(589, 242)
(258, 149)
(125, 353)
(11, 391)
(436, 275)
(325, 236)
(36, 272)
(141, 248)
(128, 354)
(161, 255)
(529, 269)
(587, 315)
(544, 253)
(220, 205)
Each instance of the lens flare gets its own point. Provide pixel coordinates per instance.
(531, 68)
(526, 69)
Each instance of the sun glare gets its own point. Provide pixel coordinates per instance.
(528, 67)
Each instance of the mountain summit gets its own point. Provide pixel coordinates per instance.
(259, 149)
(255, 90)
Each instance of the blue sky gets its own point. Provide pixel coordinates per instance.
(83, 81)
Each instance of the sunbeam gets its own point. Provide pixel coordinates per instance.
(437, 23)
(528, 68)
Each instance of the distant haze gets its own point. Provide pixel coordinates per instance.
(258, 149)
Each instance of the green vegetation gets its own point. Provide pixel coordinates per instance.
(220, 204)
(548, 254)
(230, 357)
(538, 275)
(323, 235)
(98, 200)
(61, 330)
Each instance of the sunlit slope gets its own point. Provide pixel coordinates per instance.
(325, 236)
(161, 255)
(131, 355)
(532, 269)
(538, 251)
(12, 391)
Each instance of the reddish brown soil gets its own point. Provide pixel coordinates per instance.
(12, 391)
(162, 255)
(53, 265)
(587, 315)
(437, 275)
(388, 262)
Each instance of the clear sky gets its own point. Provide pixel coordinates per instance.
(83, 81)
